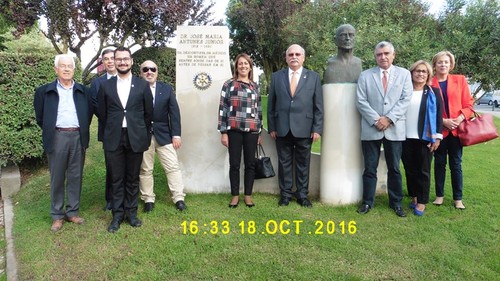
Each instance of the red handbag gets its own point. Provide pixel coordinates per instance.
(478, 129)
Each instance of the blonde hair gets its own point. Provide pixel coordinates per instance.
(427, 66)
(442, 54)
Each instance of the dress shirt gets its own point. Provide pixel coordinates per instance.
(297, 73)
(123, 86)
(389, 70)
(109, 76)
(153, 91)
(66, 110)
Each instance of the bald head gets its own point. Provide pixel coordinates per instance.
(149, 71)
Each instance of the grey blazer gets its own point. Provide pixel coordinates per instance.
(302, 114)
(372, 103)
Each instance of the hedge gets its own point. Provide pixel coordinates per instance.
(164, 58)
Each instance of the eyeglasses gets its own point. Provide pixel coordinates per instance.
(146, 69)
(420, 71)
(122, 59)
(294, 54)
(65, 66)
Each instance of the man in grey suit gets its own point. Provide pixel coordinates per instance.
(295, 120)
(383, 96)
(125, 107)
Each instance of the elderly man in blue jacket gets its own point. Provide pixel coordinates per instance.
(64, 110)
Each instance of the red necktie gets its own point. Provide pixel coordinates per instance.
(384, 81)
(293, 83)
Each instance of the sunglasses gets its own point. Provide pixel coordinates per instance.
(146, 69)
(294, 54)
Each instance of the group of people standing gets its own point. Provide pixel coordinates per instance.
(136, 119)
(412, 114)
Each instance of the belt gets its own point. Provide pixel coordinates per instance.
(67, 129)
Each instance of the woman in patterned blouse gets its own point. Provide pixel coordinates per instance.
(240, 124)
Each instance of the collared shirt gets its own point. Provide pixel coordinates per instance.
(389, 70)
(66, 110)
(153, 91)
(109, 76)
(298, 73)
(123, 87)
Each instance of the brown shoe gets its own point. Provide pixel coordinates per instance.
(75, 219)
(57, 225)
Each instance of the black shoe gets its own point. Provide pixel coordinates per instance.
(365, 208)
(148, 207)
(284, 201)
(181, 206)
(114, 226)
(235, 205)
(134, 221)
(304, 202)
(399, 212)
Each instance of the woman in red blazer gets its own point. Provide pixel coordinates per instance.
(458, 104)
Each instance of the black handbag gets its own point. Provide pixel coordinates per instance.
(263, 166)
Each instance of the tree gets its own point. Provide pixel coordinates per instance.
(375, 21)
(471, 32)
(115, 22)
(256, 29)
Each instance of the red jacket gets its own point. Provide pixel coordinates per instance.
(460, 100)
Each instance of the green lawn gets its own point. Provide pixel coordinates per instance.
(444, 244)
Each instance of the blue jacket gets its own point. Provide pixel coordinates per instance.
(46, 102)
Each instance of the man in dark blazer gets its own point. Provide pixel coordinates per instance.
(295, 120)
(108, 60)
(63, 110)
(125, 106)
(383, 95)
(165, 141)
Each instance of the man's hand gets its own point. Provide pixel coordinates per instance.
(274, 135)
(315, 136)
(176, 142)
(383, 123)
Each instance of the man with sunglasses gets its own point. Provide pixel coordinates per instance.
(295, 120)
(108, 60)
(166, 139)
(125, 106)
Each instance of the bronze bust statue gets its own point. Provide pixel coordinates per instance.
(344, 67)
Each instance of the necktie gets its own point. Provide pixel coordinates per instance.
(293, 83)
(384, 81)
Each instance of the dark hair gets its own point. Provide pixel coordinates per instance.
(123, 49)
(107, 51)
(250, 62)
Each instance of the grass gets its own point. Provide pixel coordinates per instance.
(444, 244)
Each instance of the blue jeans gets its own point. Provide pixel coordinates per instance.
(371, 154)
(451, 147)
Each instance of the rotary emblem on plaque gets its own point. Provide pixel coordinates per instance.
(202, 80)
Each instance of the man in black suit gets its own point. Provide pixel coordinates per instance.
(125, 106)
(295, 120)
(165, 141)
(63, 110)
(108, 60)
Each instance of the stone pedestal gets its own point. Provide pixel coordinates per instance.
(203, 65)
(341, 156)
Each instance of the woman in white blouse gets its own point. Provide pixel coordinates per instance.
(424, 122)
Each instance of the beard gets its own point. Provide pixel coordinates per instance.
(123, 71)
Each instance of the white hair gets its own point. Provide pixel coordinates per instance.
(61, 56)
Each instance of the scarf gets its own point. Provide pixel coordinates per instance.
(429, 133)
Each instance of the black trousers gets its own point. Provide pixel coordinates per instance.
(124, 165)
(247, 141)
(417, 163)
(294, 156)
